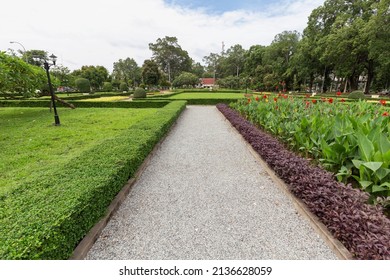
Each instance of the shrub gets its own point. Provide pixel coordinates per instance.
(123, 87)
(83, 85)
(357, 94)
(139, 93)
(107, 86)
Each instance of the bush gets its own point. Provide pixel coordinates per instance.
(83, 85)
(107, 87)
(357, 94)
(123, 87)
(139, 93)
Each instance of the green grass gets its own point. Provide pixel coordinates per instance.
(47, 207)
(204, 95)
(32, 146)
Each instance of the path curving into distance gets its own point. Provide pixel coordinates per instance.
(204, 196)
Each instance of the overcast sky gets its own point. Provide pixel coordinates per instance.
(100, 32)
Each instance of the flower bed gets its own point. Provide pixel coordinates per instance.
(350, 139)
(363, 229)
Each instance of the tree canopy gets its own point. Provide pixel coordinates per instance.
(18, 77)
(170, 57)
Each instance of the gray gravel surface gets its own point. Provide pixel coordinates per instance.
(204, 196)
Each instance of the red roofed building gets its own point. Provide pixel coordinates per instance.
(207, 82)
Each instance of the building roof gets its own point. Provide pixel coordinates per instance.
(207, 81)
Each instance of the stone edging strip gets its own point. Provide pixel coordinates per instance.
(337, 247)
(90, 238)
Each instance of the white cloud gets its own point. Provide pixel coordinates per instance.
(99, 32)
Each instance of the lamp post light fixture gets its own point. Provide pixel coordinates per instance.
(46, 65)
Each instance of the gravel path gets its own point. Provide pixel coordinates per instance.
(204, 196)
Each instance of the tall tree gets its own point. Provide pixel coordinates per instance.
(150, 73)
(197, 69)
(127, 71)
(63, 74)
(235, 59)
(35, 57)
(277, 58)
(212, 61)
(96, 75)
(171, 58)
(19, 78)
(254, 65)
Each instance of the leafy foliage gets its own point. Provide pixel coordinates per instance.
(170, 57)
(150, 73)
(83, 85)
(20, 78)
(331, 132)
(96, 75)
(186, 79)
(357, 94)
(139, 93)
(362, 228)
(127, 71)
(107, 86)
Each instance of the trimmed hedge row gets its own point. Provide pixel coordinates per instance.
(201, 101)
(95, 95)
(362, 228)
(88, 104)
(158, 96)
(50, 215)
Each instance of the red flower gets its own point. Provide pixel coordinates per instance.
(342, 100)
(249, 101)
(265, 96)
(257, 98)
(385, 114)
(314, 101)
(338, 93)
(383, 102)
(330, 100)
(275, 99)
(307, 104)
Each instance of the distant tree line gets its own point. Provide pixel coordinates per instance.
(345, 47)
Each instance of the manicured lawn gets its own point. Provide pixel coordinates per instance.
(204, 95)
(31, 146)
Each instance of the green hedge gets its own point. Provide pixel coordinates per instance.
(164, 95)
(95, 95)
(204, 101)
(87, 104)
(50, 215)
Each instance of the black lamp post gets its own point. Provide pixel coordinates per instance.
(46, 65)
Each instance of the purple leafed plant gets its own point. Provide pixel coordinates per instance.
(362, 228)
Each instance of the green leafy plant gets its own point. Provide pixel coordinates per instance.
(83, 85)
(349, 139)
(139, 93)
